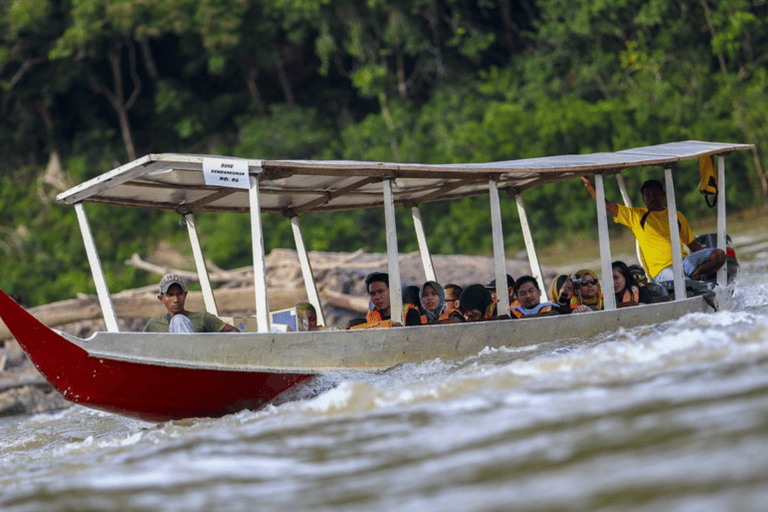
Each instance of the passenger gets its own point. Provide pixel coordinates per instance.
(411, 306)
(657, 292)
(491, 312)
(433, 303)
(173, 295)
(452, 294)
(587, 294)
(380, 312)
(529, 294)
(491, 287)
(562, 290)
(307, 316)
(627, 291)
(650, 226)
(474, 301)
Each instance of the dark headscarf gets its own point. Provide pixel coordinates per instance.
(432, 316)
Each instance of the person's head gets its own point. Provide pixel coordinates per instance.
(557, 283)
(622, 277)
(377, 285)
(491, 287)
(638, 274)
(528, 292)
(653, 195)
(307, 314)
(432, 300)
(452, 294)
(473, 302)
(173, 293)
(411, 295)
(587, 283)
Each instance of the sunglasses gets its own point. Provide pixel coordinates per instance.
(589, 281)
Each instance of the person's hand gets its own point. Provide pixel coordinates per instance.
(581, 308)
(567, 286)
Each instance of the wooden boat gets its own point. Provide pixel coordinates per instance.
(158, 377)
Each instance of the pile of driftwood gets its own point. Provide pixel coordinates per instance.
(339, 278)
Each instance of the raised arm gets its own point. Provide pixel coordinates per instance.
(612, 208)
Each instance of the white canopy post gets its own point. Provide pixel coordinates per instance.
(623, 190)
(722, 273)
(102, 291)
(395, 287)
(499, 256)
(674, 238)
(202, 271)
(306, 270)
(606, 270)
(259, 267)
(426, 257)
(530, 249)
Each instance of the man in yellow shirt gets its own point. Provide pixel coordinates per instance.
(650, 226)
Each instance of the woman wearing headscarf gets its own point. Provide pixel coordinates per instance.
(561, 290)
(587, 293)
(433, 302)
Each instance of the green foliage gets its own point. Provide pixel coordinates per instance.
(418, 81)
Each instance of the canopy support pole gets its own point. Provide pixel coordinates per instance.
(306, 270)
(426, 256)
(530, 249)
(722, 272)
(606, 270)
(395, 287)
(623, 190)
(259, 267)
(499, 256)
(674, 238)
(202, 271)
(102, 291)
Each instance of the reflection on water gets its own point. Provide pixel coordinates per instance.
(664, 417)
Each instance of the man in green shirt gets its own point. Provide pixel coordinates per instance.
(173, 294)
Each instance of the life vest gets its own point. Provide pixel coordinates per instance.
(408, 307)
(371, 325)
(630, 296)
(708, 183)
(373, 319)
(541, 309)
(595, 305)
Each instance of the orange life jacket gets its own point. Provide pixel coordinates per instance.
(630, 296)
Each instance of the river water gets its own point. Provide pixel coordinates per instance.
(667, 417)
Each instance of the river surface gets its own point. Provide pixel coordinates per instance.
(669, 417)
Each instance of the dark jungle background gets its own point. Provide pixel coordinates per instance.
(87, 85)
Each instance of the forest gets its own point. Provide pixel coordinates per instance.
(88, 85)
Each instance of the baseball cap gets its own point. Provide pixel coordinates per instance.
(492, 284)
(171, 279)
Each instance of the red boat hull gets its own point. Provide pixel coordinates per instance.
(148, 392)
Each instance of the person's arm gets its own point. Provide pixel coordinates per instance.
(612, 208)
(695, 246)
(230, 328)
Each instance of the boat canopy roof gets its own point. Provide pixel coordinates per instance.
(177, 182)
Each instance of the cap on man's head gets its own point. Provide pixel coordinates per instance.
(170, 279)
(651, 184)
(492, 284)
